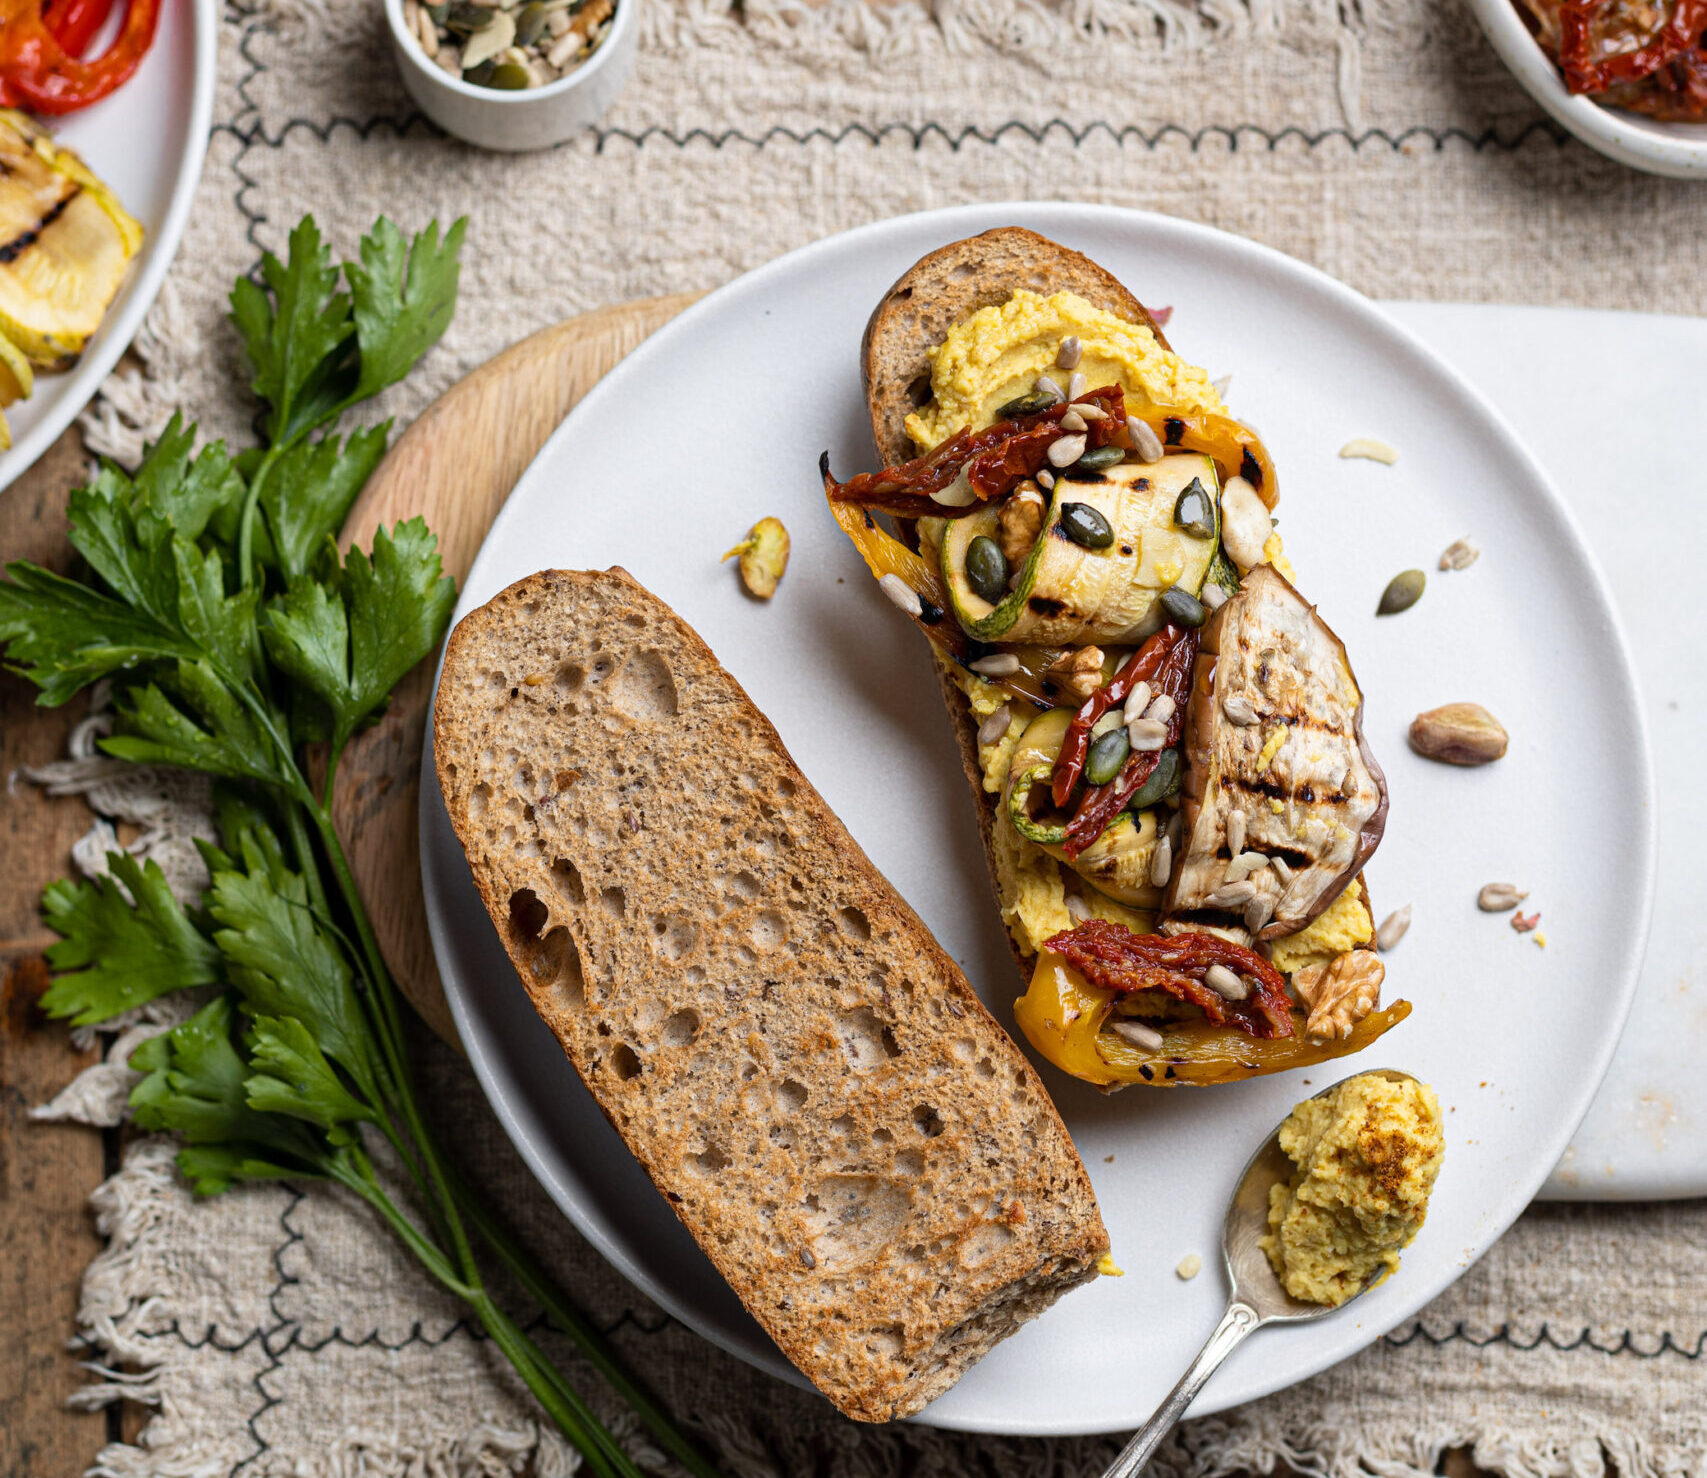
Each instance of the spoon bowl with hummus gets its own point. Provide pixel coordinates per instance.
(1318, 1218)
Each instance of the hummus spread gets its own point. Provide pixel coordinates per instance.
(1367, 1156)
(996, 354)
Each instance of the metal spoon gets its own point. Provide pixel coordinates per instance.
(1257, 1297)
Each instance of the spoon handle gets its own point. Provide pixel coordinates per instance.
(1239, 1320)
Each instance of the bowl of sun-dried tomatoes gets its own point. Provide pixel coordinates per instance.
(1627, 77)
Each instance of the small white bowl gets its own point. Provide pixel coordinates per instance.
(1675, 149)
(528, 118)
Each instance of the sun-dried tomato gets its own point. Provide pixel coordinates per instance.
(995, 460)
(1593, 36)
(1113, 957)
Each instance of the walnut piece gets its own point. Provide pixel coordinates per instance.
(1078, 672)
(1019, 523)
(1340, 993)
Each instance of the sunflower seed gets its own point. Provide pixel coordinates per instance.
(1162, 863)
(1460, 555)
(1146, 735)
(1073, 421)
(1258, 912)
(1046, 479)
(1225, 983)
(1161, 709)
(1076, 384)
(1232, 895)
(1047, 386)
(564, 50)
(1145, 443)
(1070, 352)
(1136, 702)
(997, 664)
(1212, 596)
(1223, 385)
(1236, 822)
(902, 594)
(996, 725)
(1239, 710)
(1243, 865)
(1145, 1038)
(1189, 1267)
(1077, 909)
(1107, 724)
(1282, 870)
(1090, 410)
(1498, 897)
(1371, 449)
(1066, 450)
(1393, 927)
(428, 32)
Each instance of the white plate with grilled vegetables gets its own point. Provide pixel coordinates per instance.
(95, 233)
(720, 420)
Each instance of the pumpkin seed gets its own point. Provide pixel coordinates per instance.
(1183, 608)
(1195, 512)
(1107, 755)
(986, 568)
(1026, 405)
(486, 43)
(478, 73)
(1098, 458)
(509, 77)
(1163, 782)
(440, 13)
(1403, 591)
(531, 23)
(465, 19)
(1083, 524)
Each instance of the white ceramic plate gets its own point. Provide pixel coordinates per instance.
(756, 380)
(147, 141)
(1675, 149)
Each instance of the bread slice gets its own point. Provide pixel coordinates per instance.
(808, 1079)
(939, 290)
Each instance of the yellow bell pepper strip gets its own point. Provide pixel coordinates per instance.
(1236, 450)
(1064, 1017)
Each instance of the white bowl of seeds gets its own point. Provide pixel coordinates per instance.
(513, 74)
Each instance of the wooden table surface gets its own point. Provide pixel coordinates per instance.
(47, 1232)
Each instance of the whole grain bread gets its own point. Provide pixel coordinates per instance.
(808, 1079)
(940, 289)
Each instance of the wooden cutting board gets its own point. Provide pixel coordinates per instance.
(454, 467)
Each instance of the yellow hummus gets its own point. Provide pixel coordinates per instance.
(997, 353)
(1343, 924)
(1367, 1157)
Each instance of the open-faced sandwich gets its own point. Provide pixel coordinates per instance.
(1163, 737)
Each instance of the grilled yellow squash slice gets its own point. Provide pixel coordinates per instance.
(64, 244)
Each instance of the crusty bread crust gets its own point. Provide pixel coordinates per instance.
(940, 289)
(808, 1079)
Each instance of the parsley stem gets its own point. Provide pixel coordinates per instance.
(354, 1170)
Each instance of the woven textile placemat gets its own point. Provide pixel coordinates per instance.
(278, 1330)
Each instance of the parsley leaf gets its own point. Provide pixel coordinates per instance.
(196, 1084)
(121, 952)
(298, 338)
(293, 1077)
(351, 647)
(403, 299)
(310, 490)
(218, 735)
(188, 491)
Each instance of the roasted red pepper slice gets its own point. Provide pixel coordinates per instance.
(994, 459)
(1112, 957)
(41, 73)
(74, 23)
(1585, 72)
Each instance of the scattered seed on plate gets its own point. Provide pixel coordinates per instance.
(764, 557)
(1070, 352)
(1524, 923)
(1403, 591)
(1371, 449)
(1460, 555)
(1189, 1267)
(1393, 927)
(902, 594)
(1498, 897)
(996, 725)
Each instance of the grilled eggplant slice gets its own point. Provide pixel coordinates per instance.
(64, 245)
(1274, 730)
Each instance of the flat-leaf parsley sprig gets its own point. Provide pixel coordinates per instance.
(236, 636)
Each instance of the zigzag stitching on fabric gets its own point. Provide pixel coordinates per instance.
(1624, 1345)
(918, 134)
(275, 1358)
